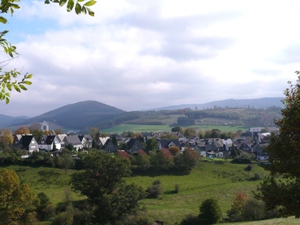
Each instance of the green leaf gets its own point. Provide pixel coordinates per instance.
(16, 88)
(15, 6)
(6, 100)
(70, 5)
(83, 10)
(62, 2)
(28, 76)
(90, 3)
(27, 82)
(22, 87)
(91, 13)
(3, 20)
(9, 86)
(78, 8)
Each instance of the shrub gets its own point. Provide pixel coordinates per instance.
(256, 176)
(155, 190)
(234, 214)
(190, 220)
(253, 210)
(210, 212)
(44, 208)
(249, 167)
(241, 161)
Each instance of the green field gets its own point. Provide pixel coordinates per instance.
(155, 128)
(217, 179)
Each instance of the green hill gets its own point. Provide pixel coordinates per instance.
(81, 115)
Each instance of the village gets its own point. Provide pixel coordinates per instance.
(253, 141)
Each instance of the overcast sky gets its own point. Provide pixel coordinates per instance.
(141, 54)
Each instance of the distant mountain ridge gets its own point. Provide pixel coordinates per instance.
(84, 115)
(239, 103)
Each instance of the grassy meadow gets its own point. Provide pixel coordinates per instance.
(213, 178)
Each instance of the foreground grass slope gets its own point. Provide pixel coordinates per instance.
(218, 179)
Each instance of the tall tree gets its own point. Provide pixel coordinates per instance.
(102, 182)
(9, 79)
(284, 157)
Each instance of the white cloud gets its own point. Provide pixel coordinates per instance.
(154, 53)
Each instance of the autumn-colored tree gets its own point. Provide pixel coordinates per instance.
(174, 150)
(189, 132)
(6, 138)
(162, 159)
(49, 132)
(188, 160)
(201, 134)
(169, 136)
(58, 131)
(22, 130)
(235, 212)
(124, 155)
(16, 198)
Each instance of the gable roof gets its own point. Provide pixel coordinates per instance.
(167, 143)
(48, 139)
(74, 140)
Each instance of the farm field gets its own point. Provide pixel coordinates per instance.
(155, 128)
(217, 179)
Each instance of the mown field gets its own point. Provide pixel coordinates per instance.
(217, 179)
(155, 128)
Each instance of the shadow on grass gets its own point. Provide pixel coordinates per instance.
(154, 172)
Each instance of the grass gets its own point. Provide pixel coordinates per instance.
(155, 128)
(137, 128)
(278, 221)
(53, 182)
(213, 178)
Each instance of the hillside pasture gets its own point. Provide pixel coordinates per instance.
(165, 128)
(218, 179)
(212, 179)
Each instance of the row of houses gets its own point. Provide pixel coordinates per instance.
(52, 142)
(209, 147)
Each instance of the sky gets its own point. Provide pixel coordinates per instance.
(138, 54)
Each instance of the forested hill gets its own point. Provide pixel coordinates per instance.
(80, 115)
(258, 103)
